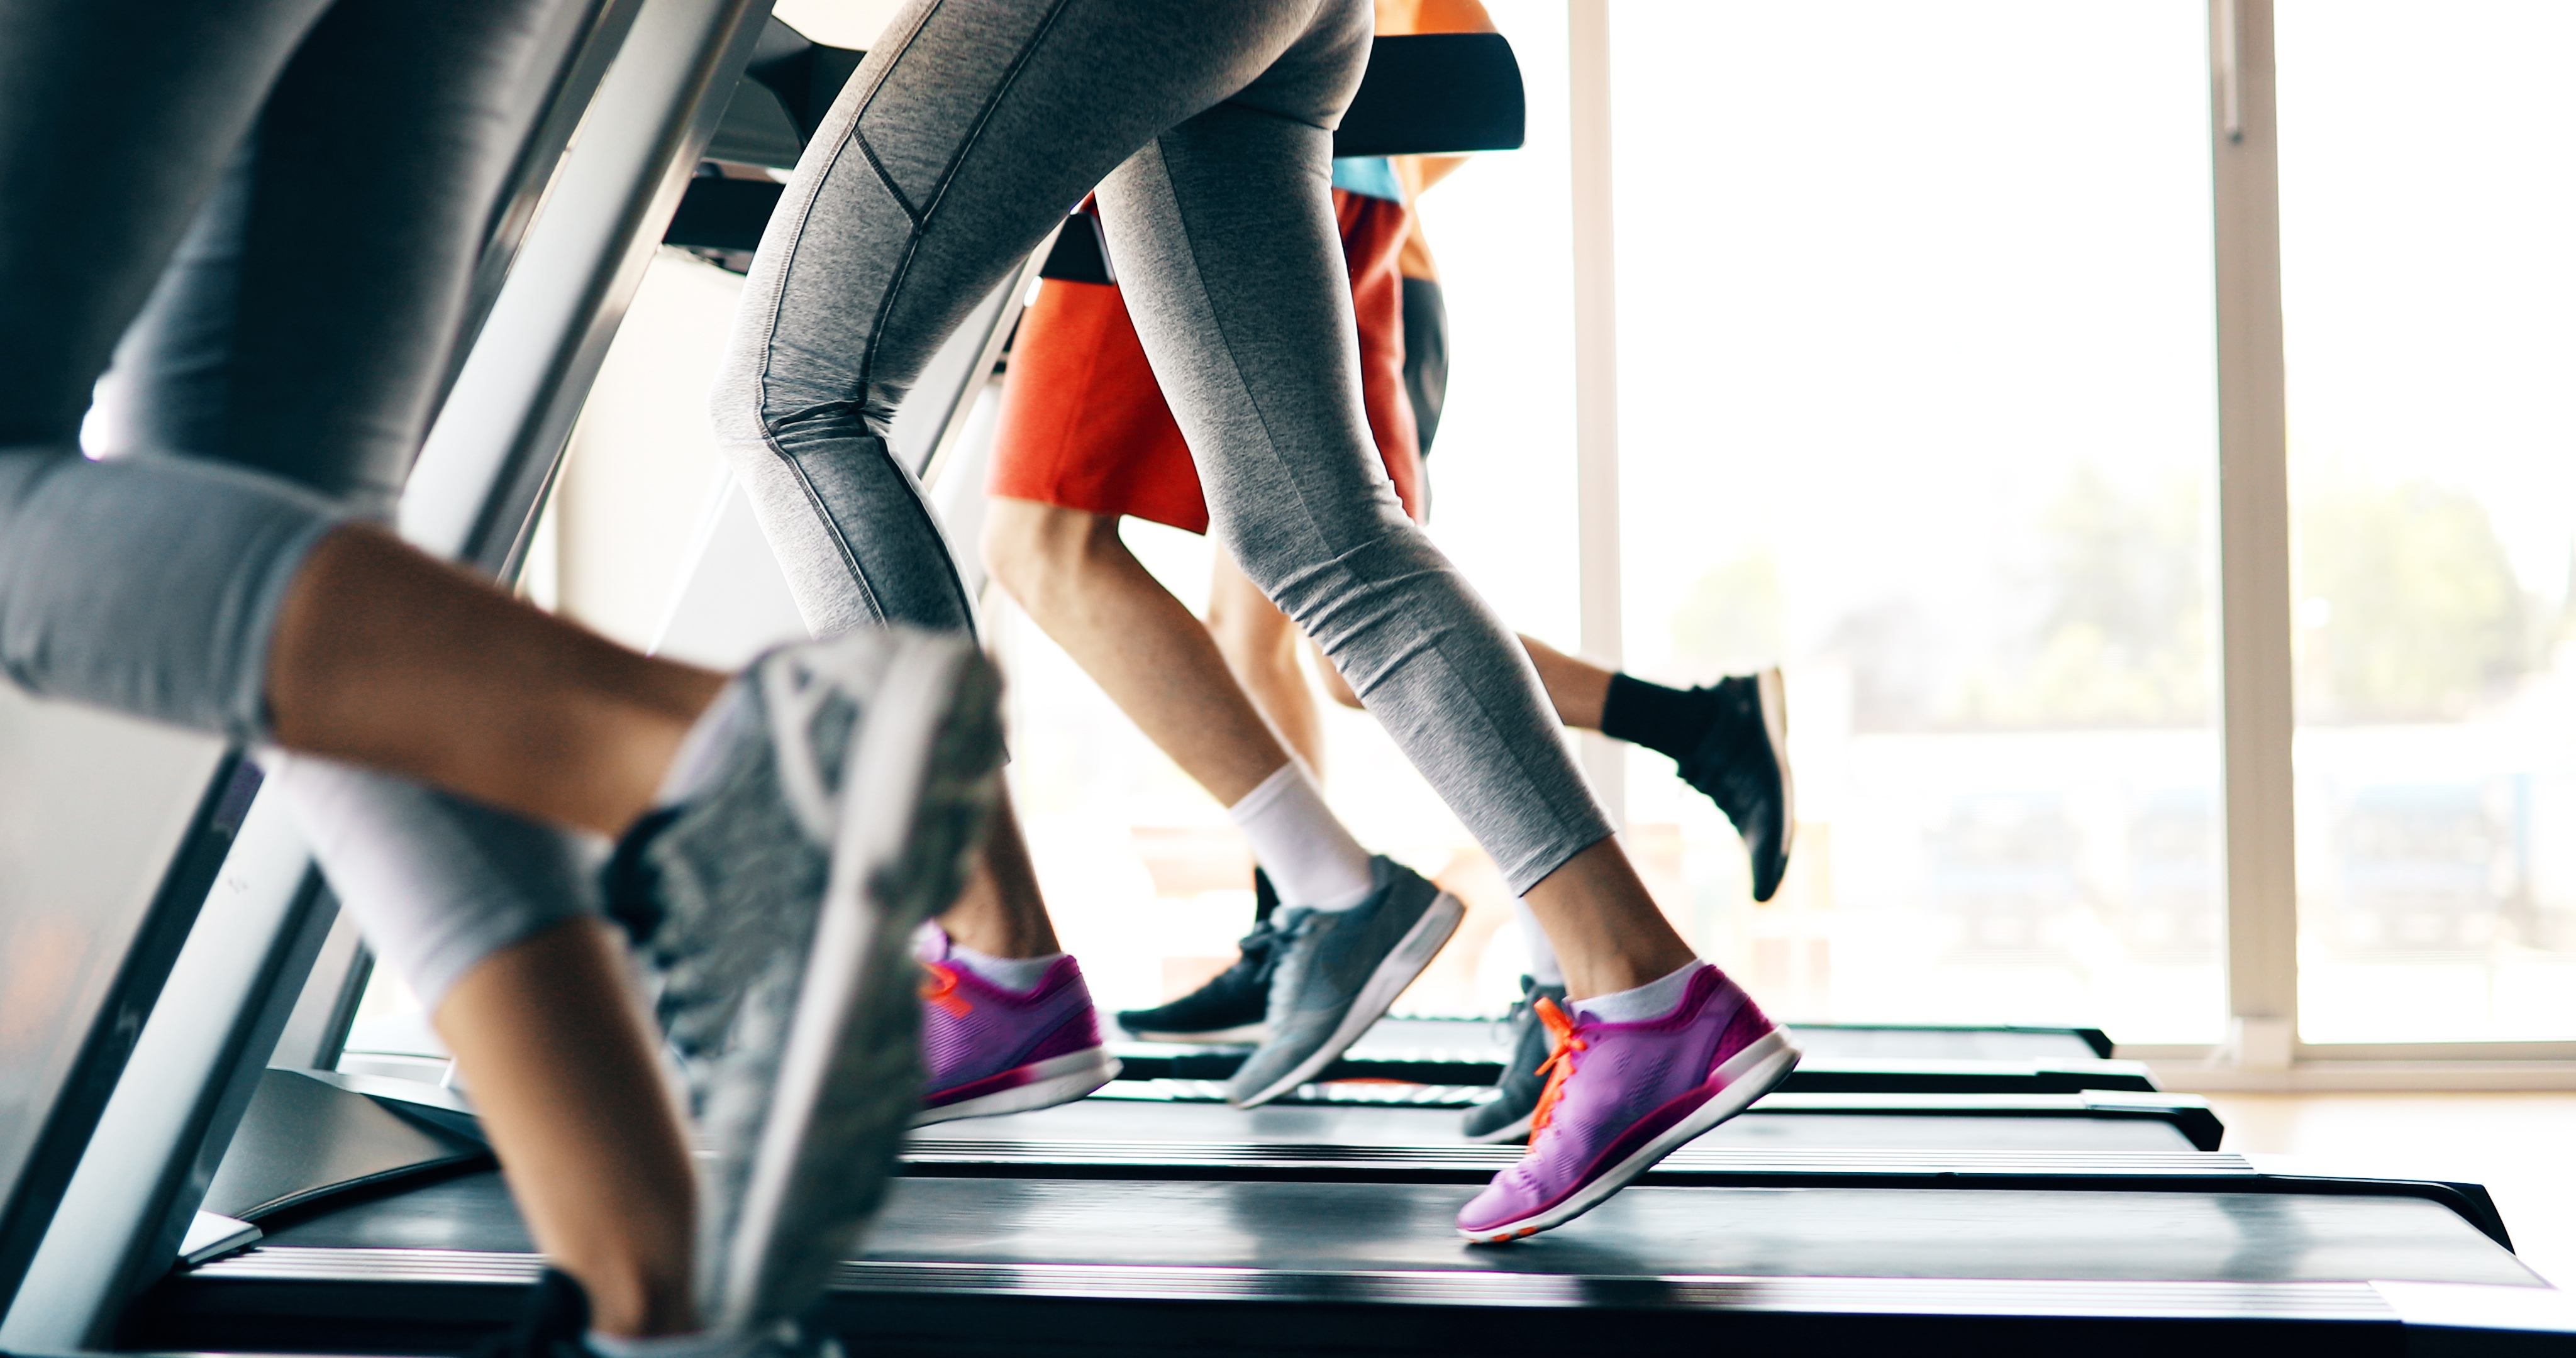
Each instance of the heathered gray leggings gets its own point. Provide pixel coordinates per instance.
(332, 167)
(1205, 124)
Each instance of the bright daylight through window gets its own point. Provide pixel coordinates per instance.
(1917, 399)
(2427, 201)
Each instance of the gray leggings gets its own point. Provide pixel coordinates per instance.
(1205, 124)
(270, 209)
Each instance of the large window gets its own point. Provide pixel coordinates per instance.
(2428, 205)
(1931, 314)
(1917, 399)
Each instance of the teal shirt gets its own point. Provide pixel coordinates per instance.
(1369, 177)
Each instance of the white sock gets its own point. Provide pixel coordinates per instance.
(1652, 1000)
(1019, 975)
(700, 1344)
(1310, 855)
(1544, 968)
(436, 883)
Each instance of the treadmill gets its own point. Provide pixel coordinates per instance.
(199, 1066)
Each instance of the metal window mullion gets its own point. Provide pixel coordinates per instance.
(1596, 373)
(2253, 539)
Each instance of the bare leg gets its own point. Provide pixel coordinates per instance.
(1260, 643)
(1576, 688)
(1607, 933)
(383, 657)
(1603, 925)
(1001, 912)
(1260, 646)
(560, 1058)
(1154, 658)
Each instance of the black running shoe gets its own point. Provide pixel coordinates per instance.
(550, 1325)
(1227, 1009)
(1507, 1117)
(555, 1323)
(1742, 763)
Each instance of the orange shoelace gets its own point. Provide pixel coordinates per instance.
(940, 988)
(1559, 1064)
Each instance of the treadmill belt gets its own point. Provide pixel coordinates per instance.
(1645, 1231)
(2043, 1123)
(1817, 1232)
(1097, 1265)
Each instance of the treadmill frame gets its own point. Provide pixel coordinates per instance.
(637, 92)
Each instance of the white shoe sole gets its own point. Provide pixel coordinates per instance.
(1249, 1034)
(1411, 954)
(901, 814)
(1750, 1074)
(1515, 1130)
(1058, 1079)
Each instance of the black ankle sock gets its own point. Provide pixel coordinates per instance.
(627, 880)
(1669, 721)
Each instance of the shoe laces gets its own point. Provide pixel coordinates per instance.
(1511, 1019)
(1559, 1065)
(1261, 948)
(795, 688)
(939, 987)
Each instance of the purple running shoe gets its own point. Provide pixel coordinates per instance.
(993, 1051)
(1621, 1096)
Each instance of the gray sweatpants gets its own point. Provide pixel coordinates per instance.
(270, 209)
(1206, 125)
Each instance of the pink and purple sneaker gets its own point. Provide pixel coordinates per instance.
(1621, 1096)
(992, 1051)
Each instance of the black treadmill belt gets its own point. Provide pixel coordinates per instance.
(1329, 1228)
(1649, 1231)
(1491, 1040)
(2043, 1123)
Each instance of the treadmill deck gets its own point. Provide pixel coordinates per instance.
(1646, 1232)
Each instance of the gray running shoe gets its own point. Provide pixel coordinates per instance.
(831, 802)
(1507, 1116)
(1337, 971)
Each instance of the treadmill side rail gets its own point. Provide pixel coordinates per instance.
(121, 1218)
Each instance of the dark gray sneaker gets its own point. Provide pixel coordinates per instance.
(1742, 763)
(1507, 1116)
(1336, 973)
(830, 803)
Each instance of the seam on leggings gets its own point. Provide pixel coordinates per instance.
(795, 245)
(938, 534)
(947, 176)
(1565, 824)
(886, 177)
(919, 219)
(840, 540)
(1572, 835)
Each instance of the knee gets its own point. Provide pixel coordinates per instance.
(1038, 550)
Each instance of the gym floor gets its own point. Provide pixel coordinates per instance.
(2521, 1146)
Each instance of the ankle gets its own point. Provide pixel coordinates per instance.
(628, 1300)
(1642, 1003)
(1019, 975)
(987, 920)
